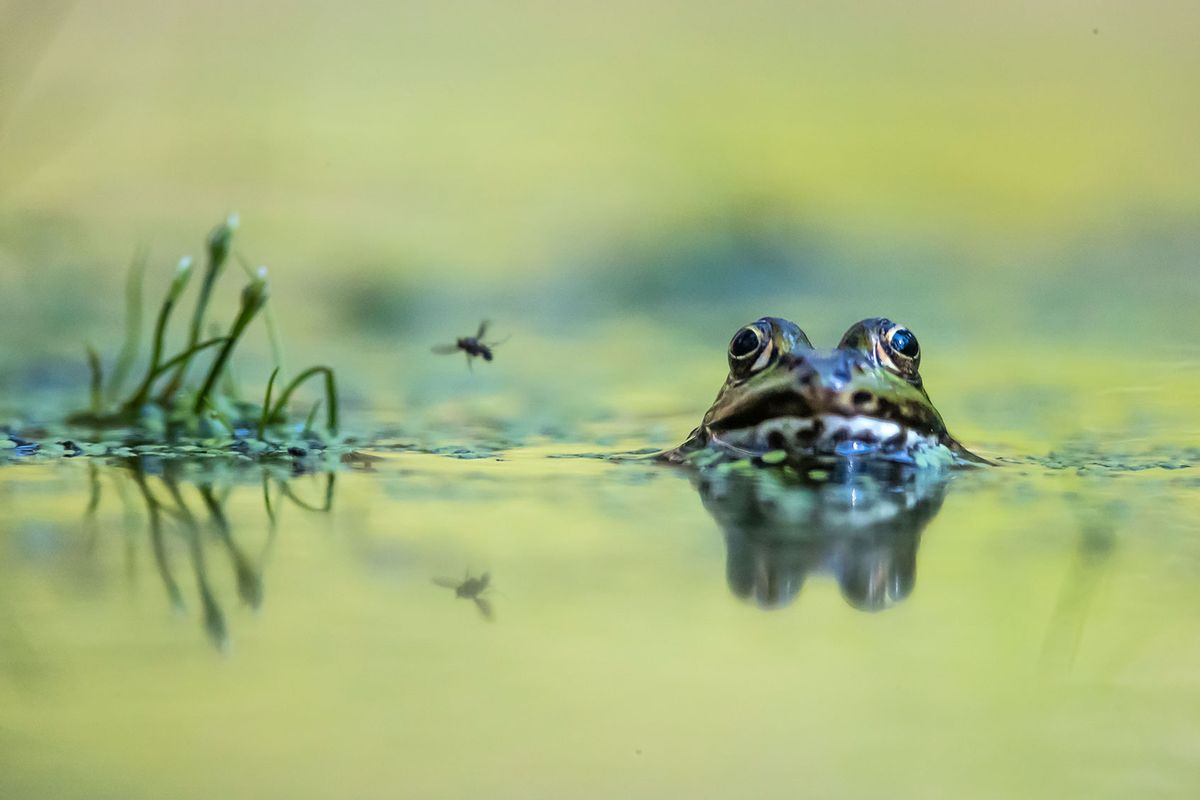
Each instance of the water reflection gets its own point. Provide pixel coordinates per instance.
(183, 502)
(1094, 550)
(862, 527)
(473, 589)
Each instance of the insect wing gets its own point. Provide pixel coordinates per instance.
(449, 583)
(483, 326)
(444, 349)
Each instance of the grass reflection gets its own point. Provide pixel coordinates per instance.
(167, 490)
(1097, 543)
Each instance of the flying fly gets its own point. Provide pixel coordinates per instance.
(473, 346)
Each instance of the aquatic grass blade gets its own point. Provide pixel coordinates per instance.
(254, 296)
(312, 416)
(273, 337)
(266, 406)
(331, 398)
(134, 284)
(97, 384)
(218, 246)
(183, 274)
(186, 354)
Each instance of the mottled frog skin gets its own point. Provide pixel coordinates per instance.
(786, 402)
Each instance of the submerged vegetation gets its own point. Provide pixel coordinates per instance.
(189, 394)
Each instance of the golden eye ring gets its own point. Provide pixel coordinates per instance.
(745, 343)
(750, 350)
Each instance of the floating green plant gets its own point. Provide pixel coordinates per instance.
(166, 400)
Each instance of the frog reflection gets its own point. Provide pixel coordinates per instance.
(862, 525)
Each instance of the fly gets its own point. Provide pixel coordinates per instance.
(473, 346)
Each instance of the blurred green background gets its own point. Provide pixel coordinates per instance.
(569, 156)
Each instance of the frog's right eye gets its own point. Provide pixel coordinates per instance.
(750, 349)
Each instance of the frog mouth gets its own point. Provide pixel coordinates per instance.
(824, 434)
(764, 408)
(807, 418)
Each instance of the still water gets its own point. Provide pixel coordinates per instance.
(184, 629)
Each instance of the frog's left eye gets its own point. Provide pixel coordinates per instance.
(903, 347)
(749, 349)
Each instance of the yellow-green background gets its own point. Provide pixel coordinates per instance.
(499, 144)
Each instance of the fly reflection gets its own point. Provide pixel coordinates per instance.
(183, 510)
(863, 528)
(472, 589)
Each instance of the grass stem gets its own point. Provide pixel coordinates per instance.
(266, 406)
(182, 274)
(218, 245)
(97, 372)
(331, 398)
(253, 298)
(133, 323)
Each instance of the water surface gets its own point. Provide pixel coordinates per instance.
(1025, 630)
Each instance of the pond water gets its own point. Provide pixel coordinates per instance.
(644, 631)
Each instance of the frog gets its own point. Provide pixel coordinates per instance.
(785, 402)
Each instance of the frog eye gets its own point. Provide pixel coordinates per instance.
(745, 342)
(903, 343)
(749, 349)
